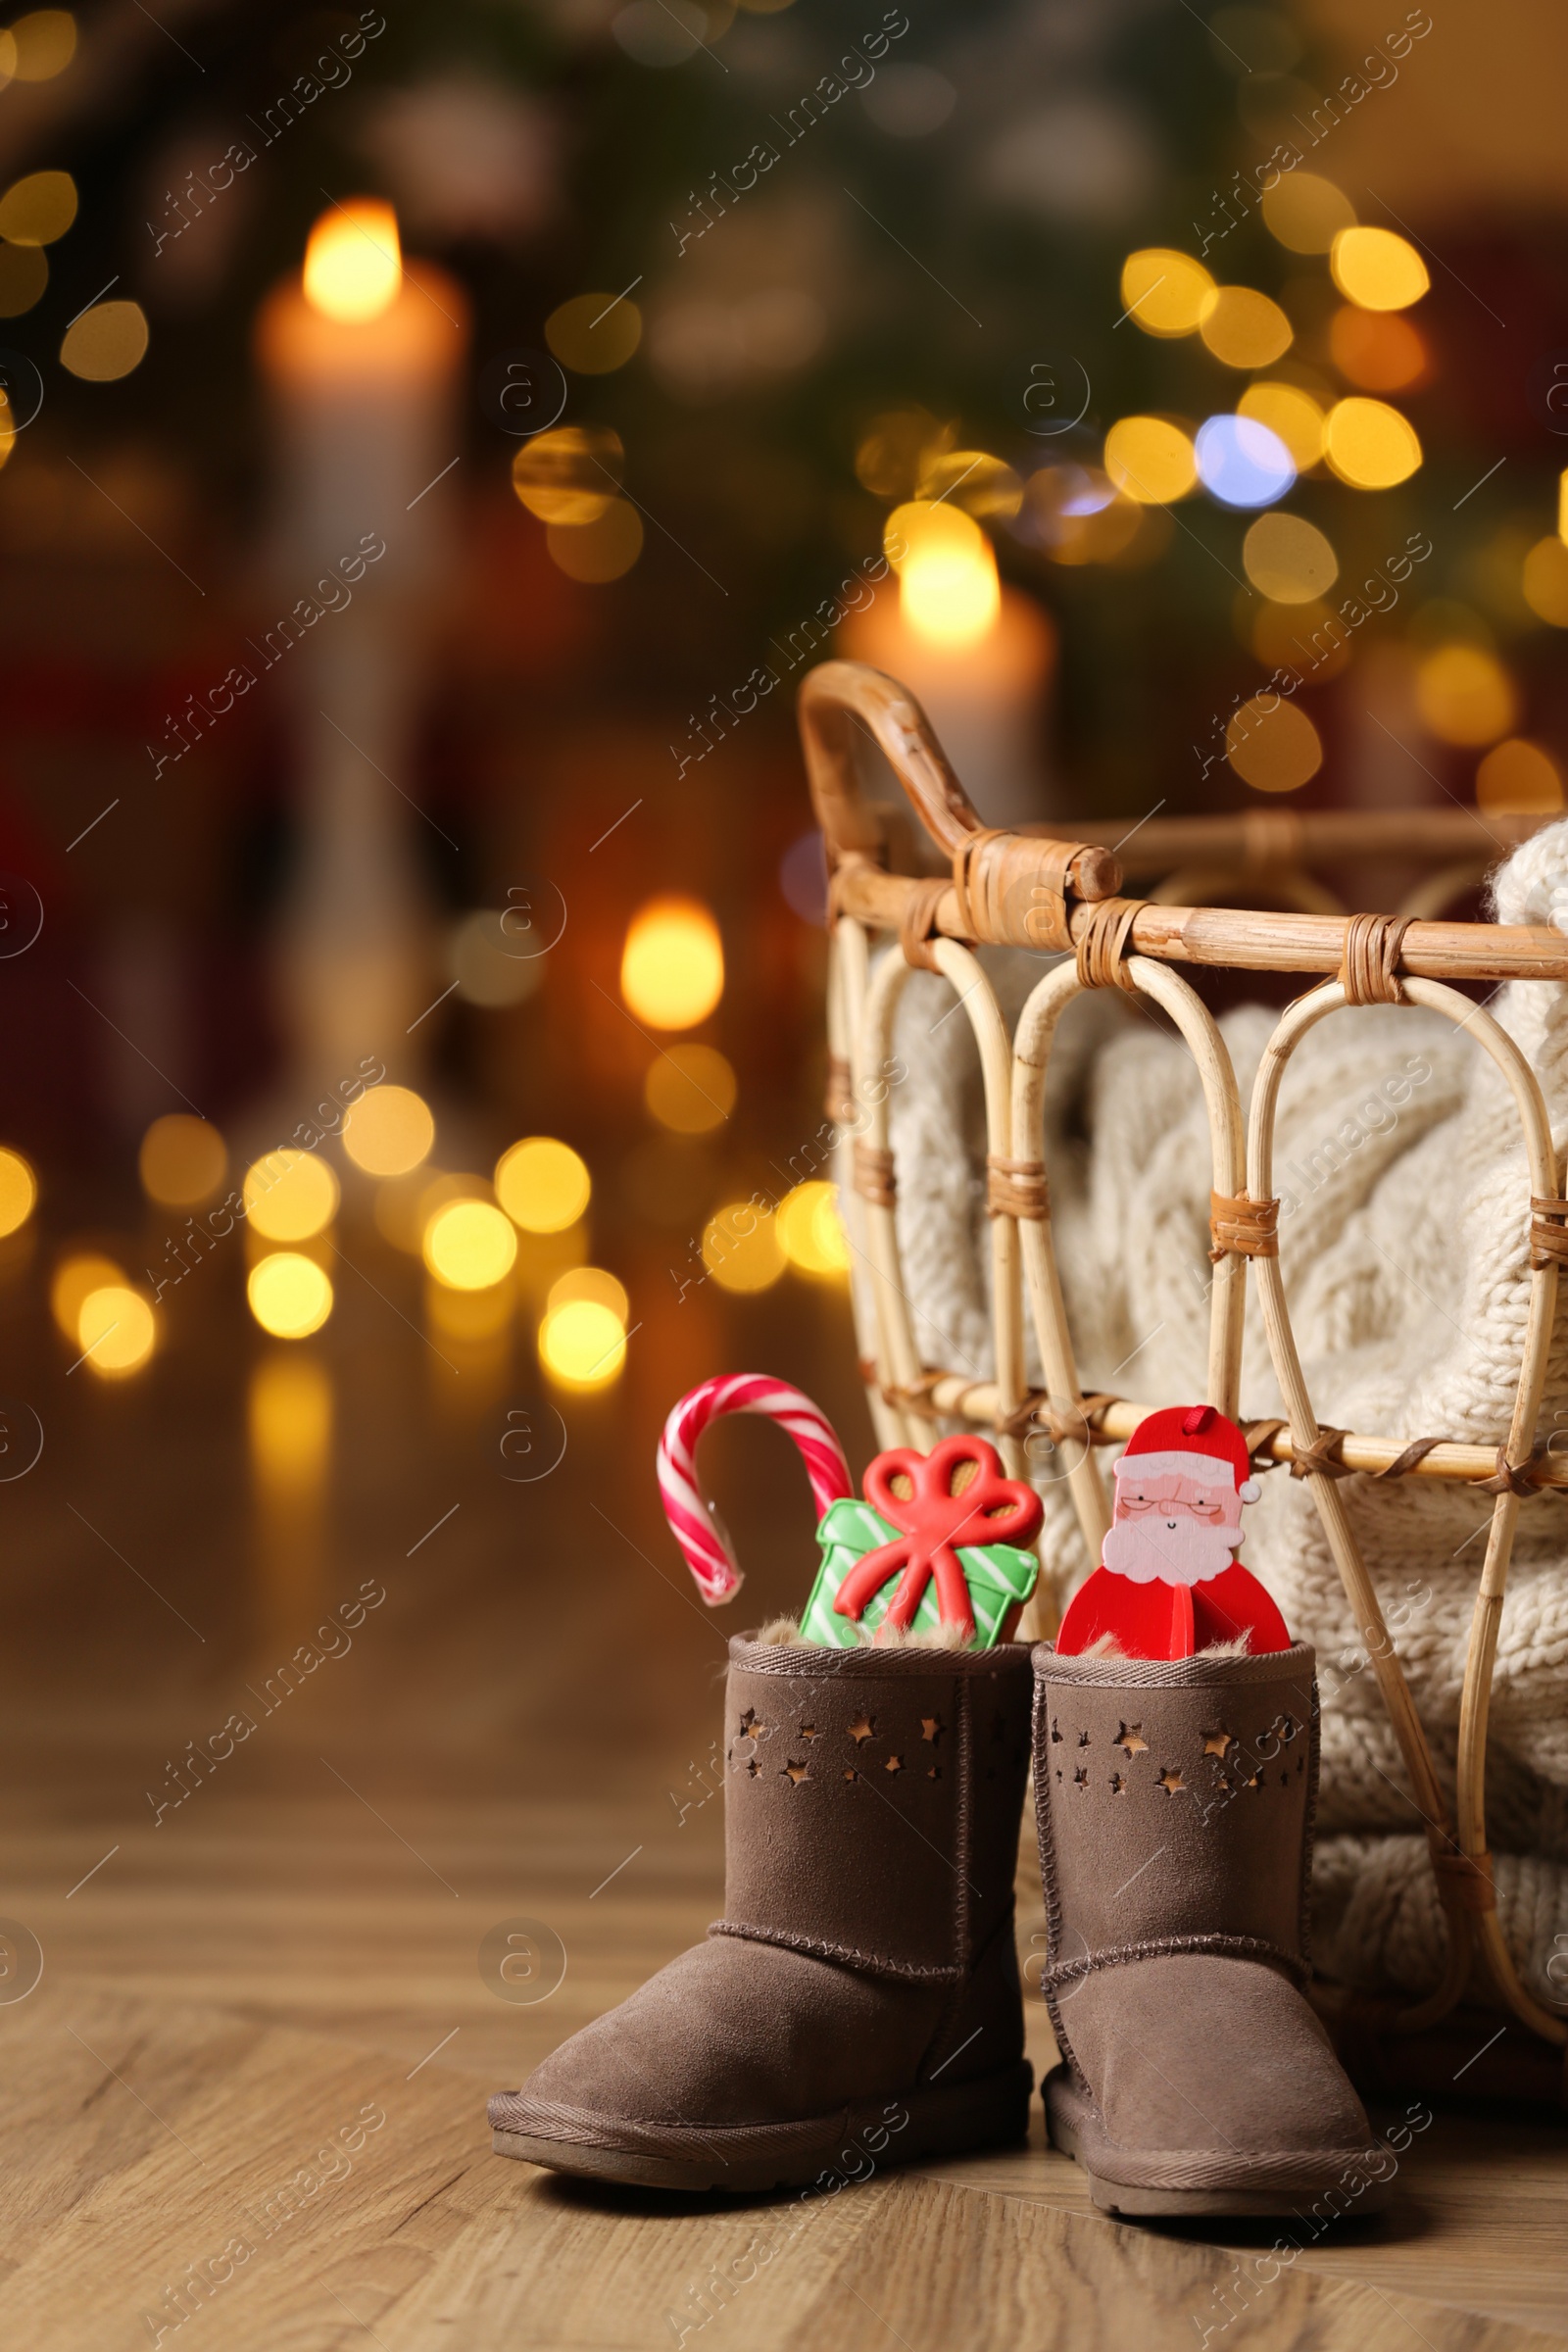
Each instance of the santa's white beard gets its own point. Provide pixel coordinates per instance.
(1180, 1550)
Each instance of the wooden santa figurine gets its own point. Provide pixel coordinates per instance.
(1169, 1584)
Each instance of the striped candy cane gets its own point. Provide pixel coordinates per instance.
(696, 1526)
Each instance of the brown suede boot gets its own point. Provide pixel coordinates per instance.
(864, 1982)
(1174, 1800)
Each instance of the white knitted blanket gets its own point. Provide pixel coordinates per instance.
(1402, 1239)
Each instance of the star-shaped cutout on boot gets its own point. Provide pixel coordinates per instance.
(863, 1729)
(1129, 1738)
(1215, 1744)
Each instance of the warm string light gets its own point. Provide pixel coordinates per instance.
(19, 1190)
(182, 1161)
(672, 964)
(389, 1131)
(290, 1196)
(116, 1329)
(543, 1185)
(471, 1245)
(289, 1294)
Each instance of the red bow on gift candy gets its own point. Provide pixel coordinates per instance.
(933, 1522)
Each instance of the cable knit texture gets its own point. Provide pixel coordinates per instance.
(1404, 1206)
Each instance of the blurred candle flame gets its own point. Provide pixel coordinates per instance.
(354, 262)
(950, 595)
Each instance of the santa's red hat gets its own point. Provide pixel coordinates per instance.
(1193, 1440)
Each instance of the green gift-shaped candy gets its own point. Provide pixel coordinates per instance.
(1000, 1578)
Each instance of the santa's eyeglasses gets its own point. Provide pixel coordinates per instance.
(1137, 1500)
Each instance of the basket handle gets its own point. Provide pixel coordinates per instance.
(835, 698)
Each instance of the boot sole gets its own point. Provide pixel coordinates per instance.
(1073, 2124)
(952, 2119)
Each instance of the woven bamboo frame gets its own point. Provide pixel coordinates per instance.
(1035, 889)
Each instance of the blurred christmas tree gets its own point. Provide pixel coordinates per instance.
(1083, 271)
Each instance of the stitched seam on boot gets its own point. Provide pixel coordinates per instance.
(1047, 1874)
(1159, 1947)
(1285, 2168)
(1303, 1929)
(875, 1964)
(1177, 1674)
(547, 2119)
(803, 1661)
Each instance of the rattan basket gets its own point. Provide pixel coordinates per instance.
(1038, 889)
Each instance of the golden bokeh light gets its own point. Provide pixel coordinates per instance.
(354, 261)
(1288, 559)
(949, 592)
(543, 1185)
(19, 1190)
(1292, 414)
(1272, 745)
(1242, 328)
(106, 342)
(24, 279)
(1464, 695)
(742, 1249)
(672, 965)
(115, 1329)
(1164, 291)
(77, 1275)
(289, 1419)
(39, 209)
(1370, 445)
(599, 550)
(39, 45)
(1377, 350)
(973, 479)
(1305, 213)
(593, 334)
(470, 1245)
(690, 1089)
(1151, 459)
(289, 1295)
(568, 474)
(582, 1344)
(290, 1196)
(590, 1282)
(388, 1131)
(1517, 778)
(810, 1231)
(182, 1161)
(1545, 581)
(1377, 270)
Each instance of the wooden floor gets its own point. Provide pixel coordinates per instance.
(259, 2052)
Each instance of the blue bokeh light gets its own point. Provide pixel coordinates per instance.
(1242, 463)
